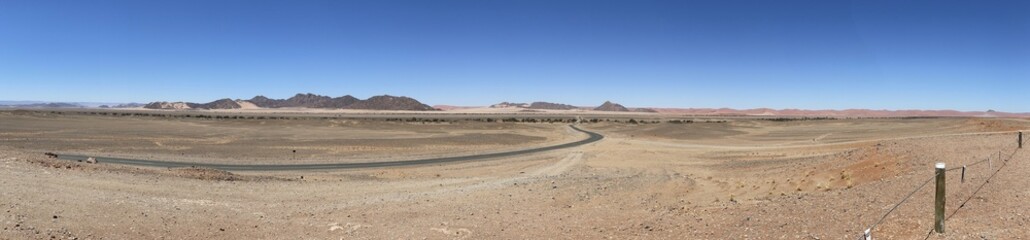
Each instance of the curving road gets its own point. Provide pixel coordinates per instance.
(593, 137)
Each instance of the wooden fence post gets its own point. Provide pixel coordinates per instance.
(1020, 139)
(938, 225)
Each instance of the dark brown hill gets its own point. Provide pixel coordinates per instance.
(307, 100)
(304, 101)
(262, 101)
(169, 105)
(384, 102)
(611, 107)
(387, 102)
(224, 103)
(554, 106)
(342, 102)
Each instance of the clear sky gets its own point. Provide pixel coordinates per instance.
(822, 54)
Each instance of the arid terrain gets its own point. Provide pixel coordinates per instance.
(659, 176)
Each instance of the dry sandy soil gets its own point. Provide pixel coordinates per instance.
(266, 141)
(742, 179)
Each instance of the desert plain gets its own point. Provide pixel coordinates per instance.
(652, 176)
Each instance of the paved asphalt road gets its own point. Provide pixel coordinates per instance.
(325, 166)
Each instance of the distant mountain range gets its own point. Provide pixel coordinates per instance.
(387, 102)
(553, 106)
(835, 113)
(124, 105)
(510, 105)
(615, 107)
(382, 102)
(305, 100)
(42, 105)
(606, 106)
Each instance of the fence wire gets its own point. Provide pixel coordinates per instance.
(994, 171)
(903, 200)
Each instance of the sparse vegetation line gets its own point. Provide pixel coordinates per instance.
(592, 137)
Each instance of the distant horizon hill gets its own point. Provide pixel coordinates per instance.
(59, 104)
(388, 102)
(302, 100)
(788, 112)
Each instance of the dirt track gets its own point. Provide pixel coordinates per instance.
(592, 137)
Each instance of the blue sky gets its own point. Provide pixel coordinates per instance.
(964, 55)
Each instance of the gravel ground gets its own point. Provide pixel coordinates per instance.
(623, 187)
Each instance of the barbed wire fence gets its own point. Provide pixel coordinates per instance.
(990, 160)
